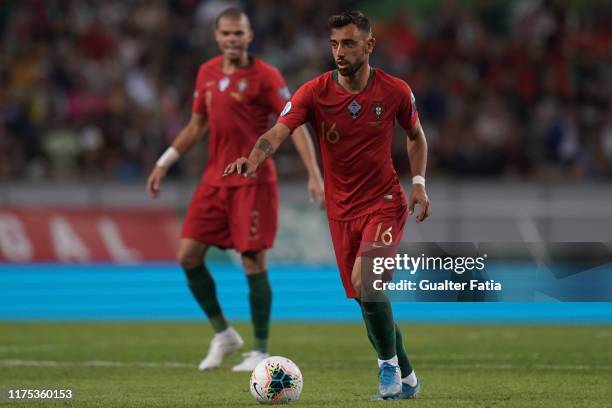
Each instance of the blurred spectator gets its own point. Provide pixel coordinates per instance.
(98, 89)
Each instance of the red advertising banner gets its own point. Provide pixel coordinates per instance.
(64, 234)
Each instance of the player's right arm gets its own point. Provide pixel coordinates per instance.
(293, 115)
(187, 137)
(266, 145)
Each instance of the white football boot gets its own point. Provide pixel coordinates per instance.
(251, 359)
(221, 346)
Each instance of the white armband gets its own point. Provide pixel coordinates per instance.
(168, 158)
(418, 180)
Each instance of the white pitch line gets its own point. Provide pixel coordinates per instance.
(93, 363)
(176, 364)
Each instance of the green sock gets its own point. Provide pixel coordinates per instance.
(370, 338)
(402, 356)
(378, 318)
(260, 298)
(203, 289)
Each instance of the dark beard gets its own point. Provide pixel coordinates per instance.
(350, 71)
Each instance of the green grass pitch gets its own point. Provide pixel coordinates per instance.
(154, 365)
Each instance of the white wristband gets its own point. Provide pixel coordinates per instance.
(418, 180)
(168, 158)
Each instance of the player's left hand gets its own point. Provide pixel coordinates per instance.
(241, 166)
(419, 196)
(315, 191)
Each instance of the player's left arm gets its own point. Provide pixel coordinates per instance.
(417, 153)
(305, 147)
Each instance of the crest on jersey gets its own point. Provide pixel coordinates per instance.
(223, 83)
(378, 108)
(354, 109)
(242, 85)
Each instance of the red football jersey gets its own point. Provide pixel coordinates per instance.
(238, 107)
(355, 132)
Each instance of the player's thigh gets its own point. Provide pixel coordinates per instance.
(207, 219)
(345, 248)
(253, 221)
(254, 262)
(366, 283)
(380, 239)
(191, 253)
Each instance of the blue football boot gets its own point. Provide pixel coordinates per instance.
(389, 381)
(409, 392)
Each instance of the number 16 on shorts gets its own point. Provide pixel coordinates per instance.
(385, 237)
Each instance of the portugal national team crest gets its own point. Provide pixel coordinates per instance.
(378, 108)
(354, 109)
(242, 85)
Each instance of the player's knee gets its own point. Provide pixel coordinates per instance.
(189, 258)
(253, 262)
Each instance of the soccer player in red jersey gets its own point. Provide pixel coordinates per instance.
(353, 110)
(234, 97)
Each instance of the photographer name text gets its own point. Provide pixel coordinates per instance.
(446, 285)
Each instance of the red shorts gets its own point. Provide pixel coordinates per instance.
(242, 217)
(374, 234)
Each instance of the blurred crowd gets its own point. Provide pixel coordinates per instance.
(98, 89)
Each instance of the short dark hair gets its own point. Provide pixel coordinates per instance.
(350, 17)
(232, 13)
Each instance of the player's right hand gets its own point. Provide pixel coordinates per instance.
(241, 166)
(154, 181)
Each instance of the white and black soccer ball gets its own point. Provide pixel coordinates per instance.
(276, 380)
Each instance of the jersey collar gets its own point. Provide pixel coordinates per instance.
(335, 74)
(250, 63)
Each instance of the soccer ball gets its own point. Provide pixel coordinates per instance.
(276, 380)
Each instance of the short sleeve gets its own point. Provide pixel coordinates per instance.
(199, 94)
(295, 112)
(407, 114)
(276, 92)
